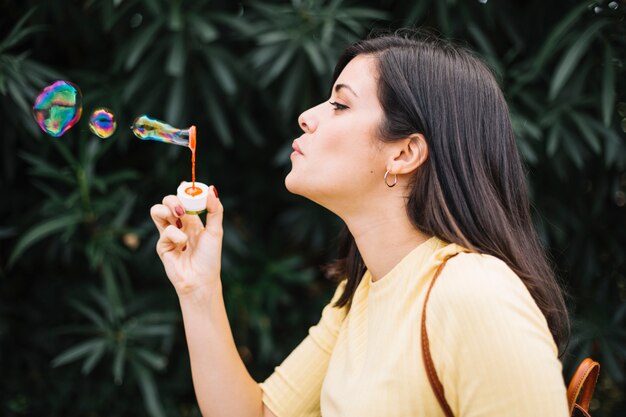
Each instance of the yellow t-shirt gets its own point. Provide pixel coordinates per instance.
(490, 344)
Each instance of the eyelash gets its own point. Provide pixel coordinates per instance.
(338, 106)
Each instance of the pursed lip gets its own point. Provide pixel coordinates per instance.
(296, 148)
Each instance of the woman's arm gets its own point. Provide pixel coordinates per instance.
(191, 255)
(222, 384)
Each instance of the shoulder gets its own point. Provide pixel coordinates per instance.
(469, 276)
(483, 288)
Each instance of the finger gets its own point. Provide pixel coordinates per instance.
(176, 207)
(215, 213)
(173, 203)
(172, 240)
(162, 217)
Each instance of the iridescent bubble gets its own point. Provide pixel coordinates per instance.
(147, 128)
(58, 107)
(102, 122)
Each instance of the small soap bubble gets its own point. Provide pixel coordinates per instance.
(597, 10)
(102, 122)
(613, 5)
(147, 128)
(58, 107)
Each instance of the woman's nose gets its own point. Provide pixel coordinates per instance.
(307, 121)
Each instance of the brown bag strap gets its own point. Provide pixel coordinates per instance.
(582, 385)
(435, 383)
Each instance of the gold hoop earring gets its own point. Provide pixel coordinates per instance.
(395, 180)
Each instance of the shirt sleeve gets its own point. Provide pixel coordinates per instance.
(492, 347)
(294, 388)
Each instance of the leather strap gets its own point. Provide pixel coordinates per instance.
(582, 385)
(435, 383)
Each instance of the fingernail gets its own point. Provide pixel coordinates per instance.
(179, 210)
(215, 192)
(179, 224)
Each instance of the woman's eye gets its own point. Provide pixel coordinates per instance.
(338, 106)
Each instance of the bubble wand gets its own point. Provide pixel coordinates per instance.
(146, 128)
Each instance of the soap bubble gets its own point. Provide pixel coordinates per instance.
(58, 107)
(147, 128)
(102, 122)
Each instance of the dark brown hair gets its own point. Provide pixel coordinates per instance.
(471, 190)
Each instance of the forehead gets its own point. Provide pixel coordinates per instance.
(360, 74)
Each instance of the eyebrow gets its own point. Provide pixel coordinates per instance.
(340, 86)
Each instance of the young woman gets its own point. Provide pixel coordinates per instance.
(414, 151)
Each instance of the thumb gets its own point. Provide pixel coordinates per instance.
(214, 213)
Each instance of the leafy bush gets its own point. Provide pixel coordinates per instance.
(88, 321)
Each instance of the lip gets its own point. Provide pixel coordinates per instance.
(296, 148)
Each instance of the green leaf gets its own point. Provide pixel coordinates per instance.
(205, 31)
(76, 352)
(141, 42)
(18, 33)
(216, 114)
(17, 96)
(556, 36)
(553, 139)
(278, 65)
(150, 331)
(148, 390)
(91, 314)
(610, 362)
(315, 57)
(486, 47)
(175, 101)
(175, 65)
(570, 60)
(586, 131)
(112, 291)
(152, 359)
(93, 359)
(41, 231)
(118, 363)
(608, 86)
(223, 75)
(572, 149)
(42, 168)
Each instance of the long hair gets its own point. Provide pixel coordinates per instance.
(471, 190)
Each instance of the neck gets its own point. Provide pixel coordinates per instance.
(384, 238)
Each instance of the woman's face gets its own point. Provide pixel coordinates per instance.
(337, 162)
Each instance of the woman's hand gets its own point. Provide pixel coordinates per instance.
(190, 251)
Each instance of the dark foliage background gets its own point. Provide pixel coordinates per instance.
(89, 325)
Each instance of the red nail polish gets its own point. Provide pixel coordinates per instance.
(184, 248)
(215, 192)
(179, 224)
(179, 210)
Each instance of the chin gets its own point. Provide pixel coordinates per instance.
(291, 184)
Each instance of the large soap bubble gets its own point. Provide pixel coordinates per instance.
(58, 107)
(102, 122)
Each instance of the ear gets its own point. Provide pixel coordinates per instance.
(408, 154)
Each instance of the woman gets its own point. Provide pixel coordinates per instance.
(414, 151)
